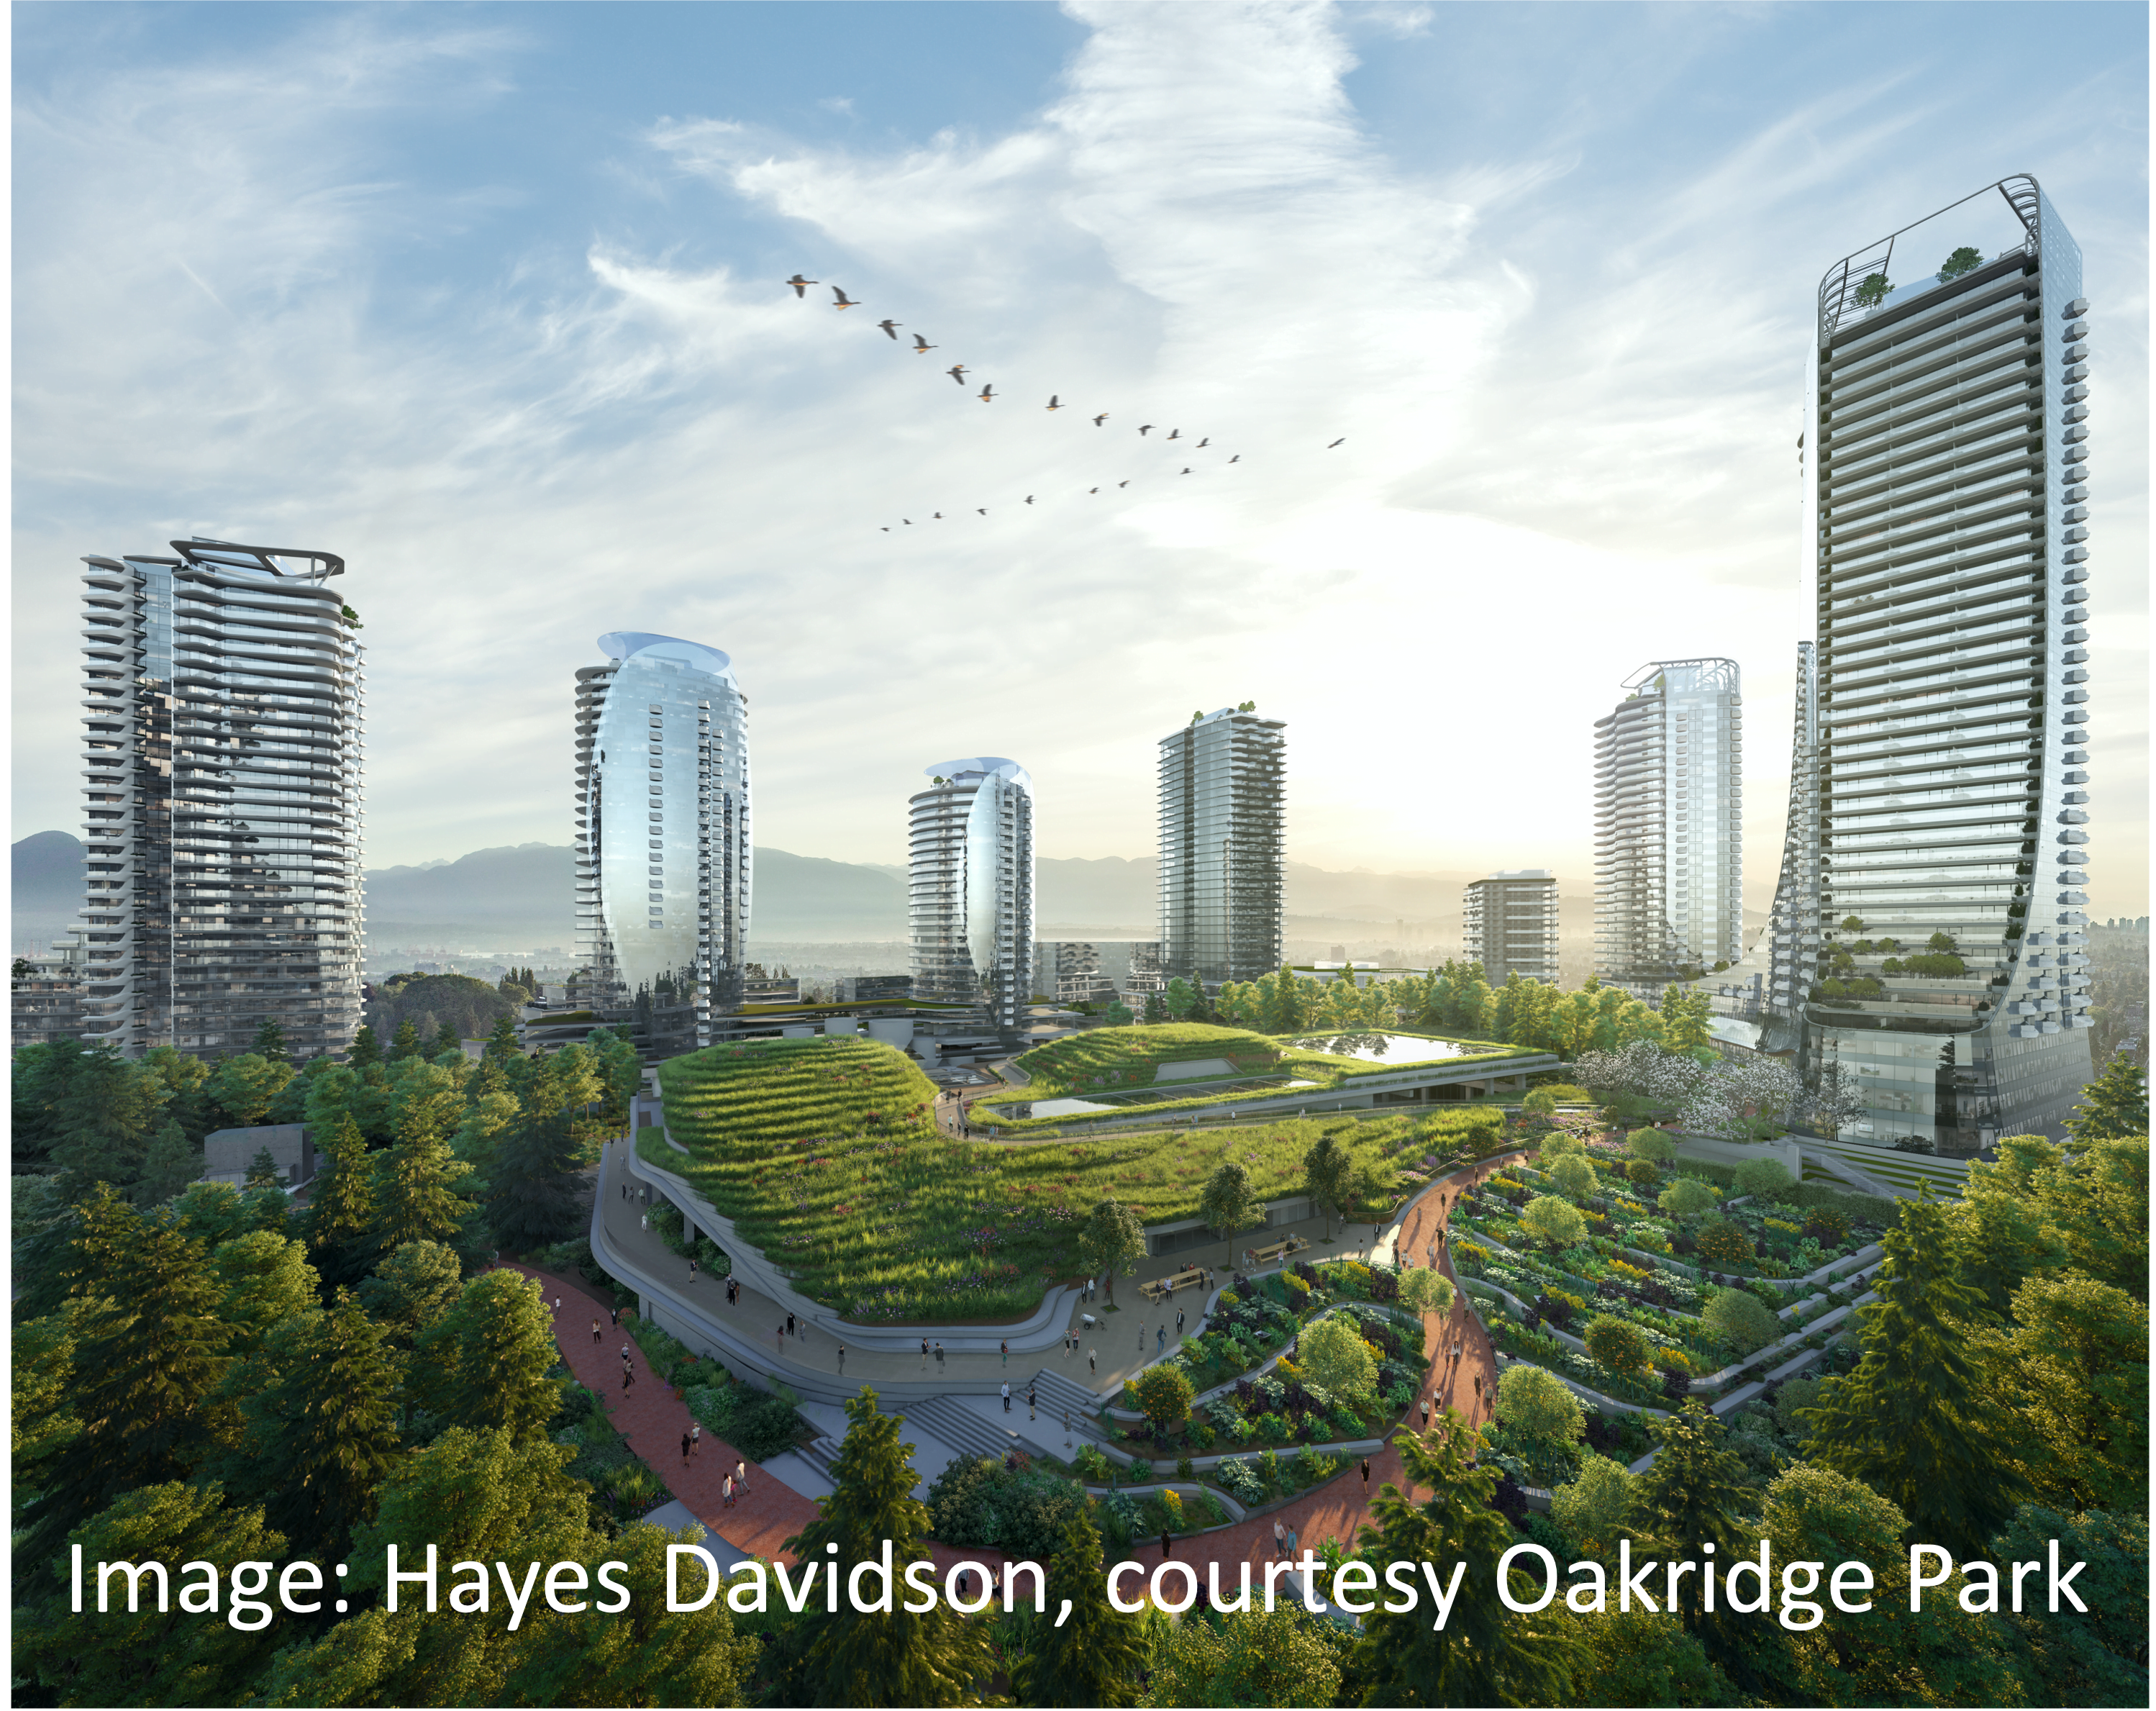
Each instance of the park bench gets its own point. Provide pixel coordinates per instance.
(1161, 1288)
(1255, 1257)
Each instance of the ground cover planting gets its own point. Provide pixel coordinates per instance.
(824, 1154)
(1119, 1068)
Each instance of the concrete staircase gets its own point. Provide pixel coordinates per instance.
(950, 1422)
(1058, 1391)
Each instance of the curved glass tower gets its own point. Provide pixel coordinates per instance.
(1222, 782)
(1946, 447)
(222, 730)
(663, 860)
(971, 886)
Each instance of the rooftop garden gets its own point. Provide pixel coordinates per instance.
(824, 1154)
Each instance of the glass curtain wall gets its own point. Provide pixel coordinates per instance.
(223, 753)
(971, 886)
(1948, 419)
(663, 859)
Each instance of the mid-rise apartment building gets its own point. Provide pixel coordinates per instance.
(1096, 971)
(222, 753)
(1509, 923)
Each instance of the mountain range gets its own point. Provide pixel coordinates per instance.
(520, 897)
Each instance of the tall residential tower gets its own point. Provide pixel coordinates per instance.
(970, 873)
(1669, 869)
(1222, 812)
(222, 752)
(663, 854)
(1509, 925)
(1945, 447)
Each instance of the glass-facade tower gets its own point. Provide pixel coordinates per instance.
(1946, 445)
(970, 887)
(1669, 867)
(1222, 808)
(663, 854)
(222, 750)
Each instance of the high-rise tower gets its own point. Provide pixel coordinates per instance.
(971, 886)
(663, 853)
(1946, 446)
(1222, 813)
(1669, 868)
(222, 832)
(1509, 922)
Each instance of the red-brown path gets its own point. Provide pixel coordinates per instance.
(1338, 1508)
(647, 1414)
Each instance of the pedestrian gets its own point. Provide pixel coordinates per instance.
(696, 1437)
(497, 1257)
(558, 1303)
(1006, 1398)
(1178, 1322)
(727, 1492)
(1006, 1349)
(628, 1377)
(1164, 1544)
(1032, 1403)
(692, 1270)
(924, 1354)
(645, 1221)
(1426, 1414)
(1160, 1338)
(1366, 1478)
(1280, 1538)
(842, 1357)
(1478, 1386)
(778, 1333)
(685, 1449)
(741, 1476)
(1140, 1336)
(617, 1319)
(789, 1324)
(595, 1333)
(624, 1355)
(1293, 1545)
(1093, 1361)
(939, 1354)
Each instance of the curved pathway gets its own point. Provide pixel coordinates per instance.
(1339, 1509)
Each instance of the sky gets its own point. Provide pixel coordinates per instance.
(489, 301)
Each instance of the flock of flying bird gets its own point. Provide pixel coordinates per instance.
(988, 395)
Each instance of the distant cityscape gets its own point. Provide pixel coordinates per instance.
(1927, 938)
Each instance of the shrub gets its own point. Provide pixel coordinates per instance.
(1724, 1242)
(1554, 1221)
(1793, 1394)
(1165, 1394)
(1826, 1226)
(1335, 1356)
(1172, 1503)
(1537, 1406)
(1575, 1177)
(1686, 1198)
(755, 1422)
(1644, 1171)
(1652, 1145)
(1739, 1319)
(1559, 1144)
(1470, 1254)
(1092, 1462)
(1616, 1343)
(1764, 1177)
(1240, 1481)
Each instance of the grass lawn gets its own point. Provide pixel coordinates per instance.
(824, 1154)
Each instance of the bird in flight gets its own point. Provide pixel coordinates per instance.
(1147, 429)
(956, 370)
(890, 327)
(886, 528)
(938, 516)
(801, 285)
(922, 347)
(1175, 433)
(988, 394)
(1052, 403)
(1099, 419)
(1341, 440)
(844, 301)
(1186, 468)
(982, 509)
(1206, 442)
(1029, 499)
(908, 520)
(1237, 458)
(1122, 484)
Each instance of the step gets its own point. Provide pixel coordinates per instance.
(1058, 1391)
(964, 1431)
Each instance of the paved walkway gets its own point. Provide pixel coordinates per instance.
(1339, 1509)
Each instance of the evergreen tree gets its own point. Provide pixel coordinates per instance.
(263, 1279)
(1328, 1178)
(406, 1044)
(2114, 1105)
(2073, 1374)
(262, 1171)
(319, 1426)
(243, 1088)
(852, 1658)
(269, 1040)
(1911, 1422)
(414, 1190)
(447, 1039)
(2096, 1197)
(1156, 1010)
(538, 1191)
(1229, 1202)
(2101, 1658)
(150, 1350)
(169, 1165)
(364, 1051)
(502, 1041)
(412, 1288)
(149, 1656)
(484, 1363)
(341, 1213)
(104, 1114)
(42, 1074)
(1484, 1655)
(1095, 1657)
(186, 1081)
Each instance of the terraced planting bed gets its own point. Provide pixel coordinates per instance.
(1112, 1070)
(824, 1154)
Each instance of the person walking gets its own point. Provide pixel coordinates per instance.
(939, 1354)
(1032, 1403)
(1426, 1414)
(741, 1476)
(685, 1449)
(1366, 1479)
(1006, 1398)
(727, 1492)
(557, 1305)
(1293, 1543)
(1160, 1338)
(1006, 1349)
(595, 1333)
(644, 1221)
(1178, 1322)
(1279, 1537)
(696, 1437)
(692, 1270)
(624, 1355)
(842, 1357)
(789, 1324)
(628, 1376)
(1164, 1544)
(1093, 1362)
(617, 1319)
(924, 1354)
(1140, 1336)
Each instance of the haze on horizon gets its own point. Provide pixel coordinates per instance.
(487, 300)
